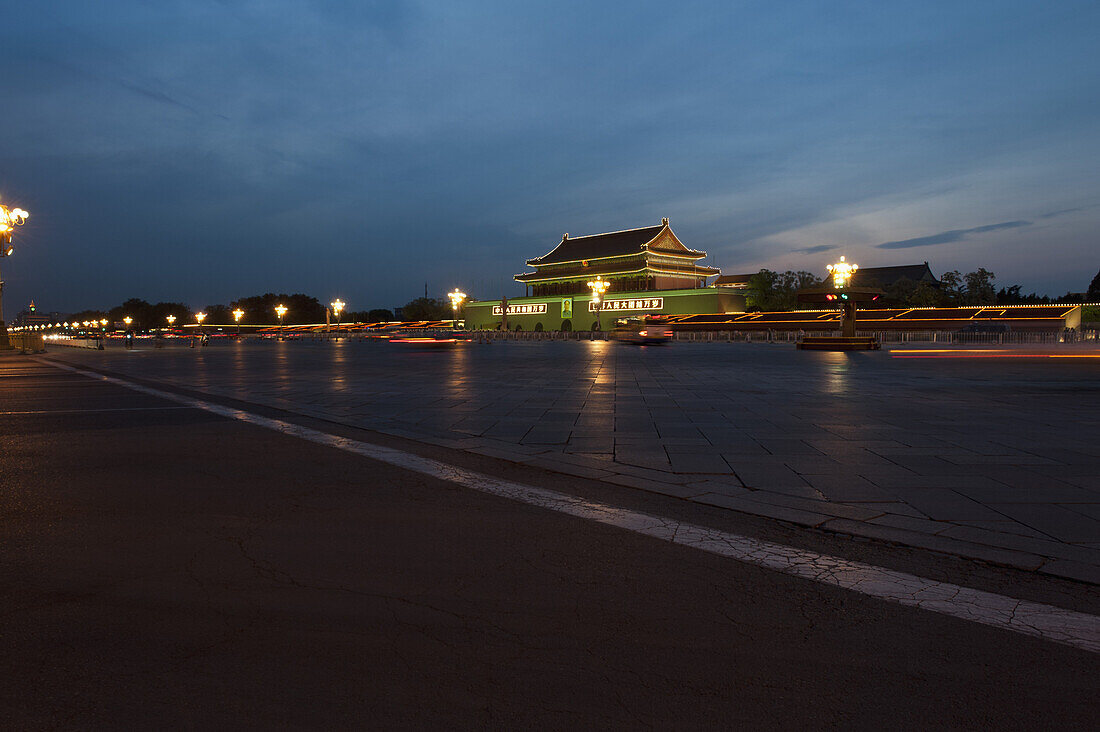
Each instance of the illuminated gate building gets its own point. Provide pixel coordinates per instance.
(650, 271)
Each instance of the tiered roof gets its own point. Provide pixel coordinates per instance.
(631, 250)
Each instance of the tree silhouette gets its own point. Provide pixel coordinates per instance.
(1093, 295)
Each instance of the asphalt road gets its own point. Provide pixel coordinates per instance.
(165, 566)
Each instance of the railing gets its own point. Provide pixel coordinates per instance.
(538, 335)
(27, 342)
(721, 336)
(92, 343)
(896, 336)
(793, 336)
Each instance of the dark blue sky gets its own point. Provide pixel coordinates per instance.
(200, 150)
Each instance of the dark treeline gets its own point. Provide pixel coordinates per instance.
(770, 291)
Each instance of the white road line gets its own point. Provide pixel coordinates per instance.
(1039, 620)
(82, 411)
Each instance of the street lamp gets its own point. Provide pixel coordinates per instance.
(842, 273)
(337, 308)
(9, 219)
(237, 315)
(127, 320)
(599, 287)
(456, 302)
(171, 319)
(280, 310)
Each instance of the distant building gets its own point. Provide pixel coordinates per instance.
(649, 269)
(634, 260)
(880, 277)
(32, 316)
(883, 277)
(736, 282)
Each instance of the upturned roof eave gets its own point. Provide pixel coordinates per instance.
(695, 271)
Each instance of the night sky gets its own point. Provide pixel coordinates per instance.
(198, 150)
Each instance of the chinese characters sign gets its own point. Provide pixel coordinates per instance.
(536, 308)
(642, 303)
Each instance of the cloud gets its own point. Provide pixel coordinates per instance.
(1052, 214)
(946, 237)
(816, 250)
(160, 97)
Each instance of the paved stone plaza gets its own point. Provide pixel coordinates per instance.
(995, 458)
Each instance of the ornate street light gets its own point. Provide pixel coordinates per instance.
(598, 287)
(127, 320)
(237, 315)
(337, 308)
(457, 298)
(171, 319)
(280, 310)
(9, 219)
(842, 273)
(199, 317)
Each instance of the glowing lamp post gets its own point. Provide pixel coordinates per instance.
(598, 287)
(457, 298)
(127, 320)
(280, 310)
(171, 320)
(9, 219)
(199, 317)
(842, 273)
(840, 292)
(237, 315)
(337, 308)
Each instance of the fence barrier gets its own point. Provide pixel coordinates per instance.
(92, 343)
(27, 342)
(697, 336)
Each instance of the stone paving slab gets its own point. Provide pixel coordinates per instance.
(995, 460)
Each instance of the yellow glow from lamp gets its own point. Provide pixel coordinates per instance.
(842, 272)
(598, 287)
(200, 317)
(238, 314)
(171, 319)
